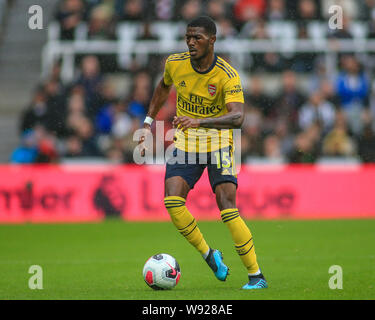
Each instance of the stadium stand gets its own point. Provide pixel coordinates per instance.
(308, 89)
(20, 64)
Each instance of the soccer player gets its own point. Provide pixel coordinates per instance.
(209, 99)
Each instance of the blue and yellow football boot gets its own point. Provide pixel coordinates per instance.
(215, 262)
(256, 282)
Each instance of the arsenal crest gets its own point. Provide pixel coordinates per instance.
(211, 89)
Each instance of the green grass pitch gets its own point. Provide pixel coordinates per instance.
(105, 260)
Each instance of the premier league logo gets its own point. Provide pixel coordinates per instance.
(211, 89)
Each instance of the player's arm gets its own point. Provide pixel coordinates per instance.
(231, 120)
(158, 99)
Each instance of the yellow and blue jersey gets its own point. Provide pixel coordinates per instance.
(202, 95)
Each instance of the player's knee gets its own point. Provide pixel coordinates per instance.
(176, 186)
(225, 198)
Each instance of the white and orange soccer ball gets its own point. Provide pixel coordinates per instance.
(161, 272)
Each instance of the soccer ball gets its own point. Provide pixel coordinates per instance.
(161, 272)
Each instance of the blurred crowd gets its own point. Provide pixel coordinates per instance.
(240, 19)
(232, 16)
(333, 117)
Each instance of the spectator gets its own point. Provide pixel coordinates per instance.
(107, 94)
(27, 152)
(56, 112)
(251, 138)
(257, 97)
(371, 27)
(91, 80)
(164, 9)
(73, 147)
(352, 87)
(191, 9)
(126, 145)
(132, 10)
(121, 150)
(56, 72)
(37, 146)
(352, 84)
(289, 100)
(263, 62)
(328, 91)
(85, 131)
(304, 150)
(76, 110)
(366, 140)
(317, 110)
(115, 155)
(100, 25)
(36, 113)
(272, 148)
(124, 126)
(338, 143)
(140, 96)
(69, 15)
(114, 119)
(319, 75)
(276, 10)
(245, 10)
(216, 9)
(255, 29)
(303, 61)
(341, 33)
(307, 10)
(47, 151)
(367, 10)
(225, 29)
(281, 130)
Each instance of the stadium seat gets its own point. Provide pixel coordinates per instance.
(282, 30)
(81, 31)
(359, 30)
(54, 31)
(128, 31)
(287, 31)
(165, 31)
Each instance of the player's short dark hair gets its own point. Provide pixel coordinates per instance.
(204, 22)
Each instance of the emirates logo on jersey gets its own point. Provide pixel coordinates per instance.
(211, 89)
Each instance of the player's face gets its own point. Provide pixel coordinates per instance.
(198, 42)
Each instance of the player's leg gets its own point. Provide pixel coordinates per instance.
(241, 234)
(242, 237)
(176, 191)
(179, 180)
(223, 179)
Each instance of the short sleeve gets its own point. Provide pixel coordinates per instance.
(233, 90)
(167, 74)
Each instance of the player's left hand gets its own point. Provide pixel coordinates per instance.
(184, 122)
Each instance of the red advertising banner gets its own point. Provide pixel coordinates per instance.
(79, 193)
